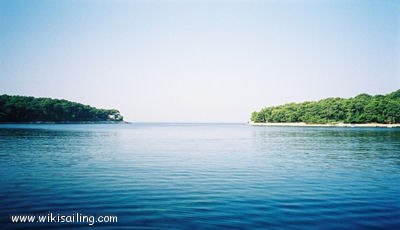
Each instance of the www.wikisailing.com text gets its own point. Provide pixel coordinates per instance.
(61, 218)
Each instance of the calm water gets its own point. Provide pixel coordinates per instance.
(202, 176)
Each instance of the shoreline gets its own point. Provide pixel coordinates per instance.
(302, 124)
(68, 122)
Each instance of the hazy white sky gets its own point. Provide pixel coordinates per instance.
(198, 61)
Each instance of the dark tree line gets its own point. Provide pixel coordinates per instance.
(363, 108)
(31, 109)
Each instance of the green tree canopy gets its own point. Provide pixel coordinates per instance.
(31, 109)
(363, 108)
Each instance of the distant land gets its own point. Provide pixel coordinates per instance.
(31, 109)
(363, 111)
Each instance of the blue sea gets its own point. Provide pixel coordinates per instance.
(201, 176)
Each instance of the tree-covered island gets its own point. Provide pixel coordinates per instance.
(364, 108)
(31, 109)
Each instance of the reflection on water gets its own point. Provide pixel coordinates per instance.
(202, 175)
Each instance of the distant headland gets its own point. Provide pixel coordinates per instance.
(361, 111)
(47, 110)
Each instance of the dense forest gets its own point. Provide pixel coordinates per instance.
(31, 109)
(363, 108)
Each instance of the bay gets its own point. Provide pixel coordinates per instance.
(201, 176)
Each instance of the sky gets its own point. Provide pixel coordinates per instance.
(198, 61)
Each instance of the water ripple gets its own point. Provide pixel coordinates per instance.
(202, 176)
